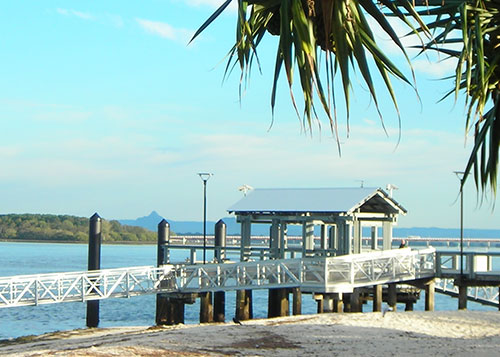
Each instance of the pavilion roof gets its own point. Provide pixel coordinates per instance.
(317, 200)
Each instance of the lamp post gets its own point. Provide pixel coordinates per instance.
(205, 176)
(460, 175)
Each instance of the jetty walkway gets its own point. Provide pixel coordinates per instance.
(323, 275)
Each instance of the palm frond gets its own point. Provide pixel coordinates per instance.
(477, 75)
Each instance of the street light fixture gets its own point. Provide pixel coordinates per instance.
(205, 176)
(461, 176)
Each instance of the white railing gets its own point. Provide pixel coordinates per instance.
(318, 274)
(379, 267)
(476, 268)
(486, 295)
(82, 286)
(475, 265)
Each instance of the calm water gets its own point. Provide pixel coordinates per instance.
(33, 258)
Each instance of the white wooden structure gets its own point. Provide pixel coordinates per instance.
(340, 212)
(319, 274)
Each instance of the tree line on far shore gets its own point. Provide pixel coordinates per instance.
(64, 228)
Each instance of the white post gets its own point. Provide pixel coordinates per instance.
(282, 237)
(245, 239)
(333, 239)
(357, 236)
(275, 239)
(307, 239)
(387, 231)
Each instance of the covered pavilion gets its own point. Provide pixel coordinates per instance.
(341, 213)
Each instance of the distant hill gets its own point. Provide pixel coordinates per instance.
(182, 227)
(64, 228)
(195, 227)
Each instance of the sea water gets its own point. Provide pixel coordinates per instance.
(37, 258)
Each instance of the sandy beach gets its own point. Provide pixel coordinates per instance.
(450, 333)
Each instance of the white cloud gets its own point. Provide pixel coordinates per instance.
(437, 69)
(165, 30)
(80, 14)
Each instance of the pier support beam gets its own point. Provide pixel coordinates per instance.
(307, 239)
(320, 308)
(337, 303)
(328, 304)
(206, 307)
(333, 239)
(357, 235)
(387, 233)
(245, 241)
(429, 296)
(94, 263)
(356, 305)
(462, 297)
(346, 298)
(297, 301)
(278, 303)
(324, 237)
(392, 298)
(274, 240)
(219, 306)
(409, 306)
(377, 298)
(170, 311)
(161, 259)
(244, 305)
(220, 241)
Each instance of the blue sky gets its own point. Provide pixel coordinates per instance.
(106, 108)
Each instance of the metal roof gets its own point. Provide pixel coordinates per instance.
(325, 200)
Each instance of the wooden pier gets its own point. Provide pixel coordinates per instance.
(341, 269)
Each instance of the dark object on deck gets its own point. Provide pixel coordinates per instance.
(236, 321)
(94, 263)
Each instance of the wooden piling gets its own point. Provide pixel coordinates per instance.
(462, 297)
(346, 298)
(297, 301)
(392, 298)
(171, 308)
(94, 263)
(219, 306)
(278, 303)
(178, 307)
(220, 241)
(337, 303)
(162, 301)
(244, 305)
(409, 305)
(206, 307)
(327, 303)
(377, 298)
(320, 308)
(356, 305)
(429, 296)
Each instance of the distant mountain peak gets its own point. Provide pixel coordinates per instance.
(154, 214)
